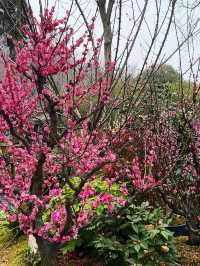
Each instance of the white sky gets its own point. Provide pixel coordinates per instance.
(140, 49)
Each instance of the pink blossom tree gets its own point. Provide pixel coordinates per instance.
(49, 150)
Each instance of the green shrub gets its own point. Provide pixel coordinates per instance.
(136, 235)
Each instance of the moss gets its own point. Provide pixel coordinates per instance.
(11, 251)
(16, 255)
(5, 234)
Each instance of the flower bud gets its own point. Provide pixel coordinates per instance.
(149, 227)
(146, 252)
(164, 249)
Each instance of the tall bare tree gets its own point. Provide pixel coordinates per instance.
(13, 16)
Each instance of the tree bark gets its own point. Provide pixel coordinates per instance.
(106, 22)
(48, 252)
(193, 237)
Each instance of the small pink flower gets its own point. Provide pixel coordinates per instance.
(12, 218)
(55, 217)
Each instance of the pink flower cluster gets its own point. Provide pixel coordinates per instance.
(146, 180)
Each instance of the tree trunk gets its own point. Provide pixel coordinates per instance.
(193, 237)
(48, 252)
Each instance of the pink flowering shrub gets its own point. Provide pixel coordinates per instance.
(165, 160)
(138, 163)
(50, 151)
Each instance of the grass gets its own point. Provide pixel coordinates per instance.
(11, 250)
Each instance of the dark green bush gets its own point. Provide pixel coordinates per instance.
(136, 235)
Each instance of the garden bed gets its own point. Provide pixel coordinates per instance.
(187, 255)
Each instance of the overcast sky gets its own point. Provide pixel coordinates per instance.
(139, 52)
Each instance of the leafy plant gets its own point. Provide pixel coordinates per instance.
(135, 235)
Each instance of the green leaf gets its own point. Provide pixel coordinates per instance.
(131, 261)
(70, 246)
(144, 245)
(123, 226)
(153, 233)
(115, 190)
(137, 248)
(100, 209)
(46, 216)
(135, 228)
(166, 234)
(76, 207)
